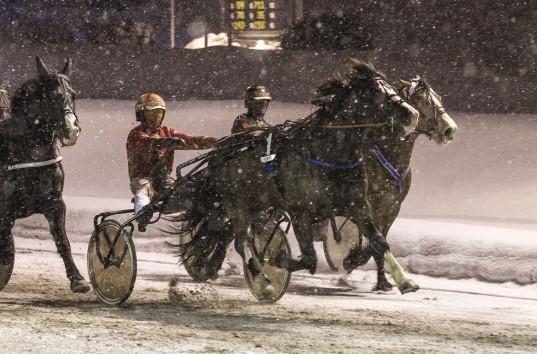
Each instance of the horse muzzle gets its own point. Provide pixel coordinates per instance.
(71, 129)
(447, 130)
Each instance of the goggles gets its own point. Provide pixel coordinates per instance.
(154, 114)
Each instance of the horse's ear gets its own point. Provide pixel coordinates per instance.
(418, 77)
(404, 83)
(67, 68)
(41, 67)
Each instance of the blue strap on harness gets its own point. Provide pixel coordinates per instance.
(334, 166)
(399, 177)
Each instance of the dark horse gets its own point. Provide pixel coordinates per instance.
(31, 174)
(386, 168)
(315, 174)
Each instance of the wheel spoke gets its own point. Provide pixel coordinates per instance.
(112, 284)
(272, 240)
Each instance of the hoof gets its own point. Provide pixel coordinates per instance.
(262, 287)
(309, 264)
(5, 273)
(79, 286)
(303, 263)
(408, 286)
(355, 259)
(383, 285)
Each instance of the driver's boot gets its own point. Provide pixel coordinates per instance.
(143, 220)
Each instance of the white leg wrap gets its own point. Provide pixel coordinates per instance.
(397, 272)
(141, 198)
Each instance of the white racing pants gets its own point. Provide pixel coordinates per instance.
(143, 192)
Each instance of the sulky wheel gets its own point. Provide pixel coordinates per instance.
(270, 245)
(342, 235)
(6, 264)
(112, 272)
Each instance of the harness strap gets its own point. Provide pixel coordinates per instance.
(348, 126)
(334, 166)
(399, 177)
(32, 164)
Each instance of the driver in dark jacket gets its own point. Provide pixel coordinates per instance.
(256, 101)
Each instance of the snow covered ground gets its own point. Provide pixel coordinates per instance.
(318, 314)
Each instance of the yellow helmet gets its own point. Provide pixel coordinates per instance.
(147, 102)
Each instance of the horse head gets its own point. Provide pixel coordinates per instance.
(437, 124)
(364, 96)
(47, 104)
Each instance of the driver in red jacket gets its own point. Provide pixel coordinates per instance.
(150, 152)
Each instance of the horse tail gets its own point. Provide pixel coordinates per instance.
(203, 242)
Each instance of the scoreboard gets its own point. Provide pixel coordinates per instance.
(257, 16)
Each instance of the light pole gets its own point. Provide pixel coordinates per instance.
(299, 10)
(172, 23)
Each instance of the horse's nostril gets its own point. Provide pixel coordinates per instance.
(449, 132)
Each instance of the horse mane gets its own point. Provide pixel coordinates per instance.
(362, 70)
(331, 91)
(23, 95)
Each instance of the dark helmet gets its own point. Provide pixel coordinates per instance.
(256, 93)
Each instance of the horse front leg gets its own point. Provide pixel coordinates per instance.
(382, 282)
(383, 256)
(404, 284)
(55, 215)
(381, 251)
(7, 250)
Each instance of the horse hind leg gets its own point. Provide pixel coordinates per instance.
(56, 219)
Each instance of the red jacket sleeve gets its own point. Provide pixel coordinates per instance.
(140, 140)
(193, 142)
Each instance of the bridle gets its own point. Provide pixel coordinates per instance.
(66, 88)
(390, 98)
(438, 109)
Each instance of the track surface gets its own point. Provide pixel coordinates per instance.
(39, 314)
